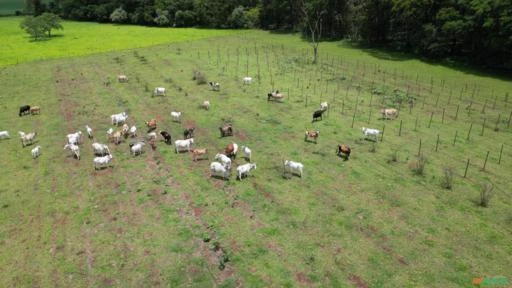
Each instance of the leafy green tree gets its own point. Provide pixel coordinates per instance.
(119, 15)
(50, 21)
(32, 25)
(184, 18)
(162, 18)
(313, 14)
(238, 19)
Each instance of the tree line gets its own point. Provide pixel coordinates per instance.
(476, 31)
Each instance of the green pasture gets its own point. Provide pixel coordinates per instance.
(81, 38)
(159, 220)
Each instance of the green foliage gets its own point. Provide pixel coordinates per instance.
(184, 18)
(162, 18)
(447, 178)
(119, 15)
(486, 189)
(417, 166)
(40, 26)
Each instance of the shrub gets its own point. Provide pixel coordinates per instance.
(199, 77)
(373, 147)
(485, 194)
(418, 166)
(393, 157)
(447, 178)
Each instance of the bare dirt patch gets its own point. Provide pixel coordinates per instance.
(303, 279)
(358, 281)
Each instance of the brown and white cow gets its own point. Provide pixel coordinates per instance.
(151, 124)
(231, 150)
(311, 135)
(226, 130)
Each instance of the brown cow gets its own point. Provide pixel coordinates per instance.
(311, 135)
(226, 130)
(343, 151)
(389, 112)
(35, 110)
(151, 124)
(197, 152)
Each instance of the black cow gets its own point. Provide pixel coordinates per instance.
(318, 114)
(167, 137)
(188, 133)
(25, 109)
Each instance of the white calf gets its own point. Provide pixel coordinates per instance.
(89, 131)
(247, 153)
(247, 80)
(324, 106)
(225, 160)
(36, 152)
(122, 78)
(182, 145)
(100, 149)
(206, 105)
(291, 166)
(27, 138)
(217, 169)
(159, 91)
(102, 161)
(137, 148)
(176, 116)
(133, 131)
(4, 135)
(245, 169)
(73, 148)
(368, 132)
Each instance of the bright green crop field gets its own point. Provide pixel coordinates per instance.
(80, 38)
(159, 220)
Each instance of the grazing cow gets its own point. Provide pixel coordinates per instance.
(176, 116)
(274, 96)
(125, 129)
(75, 138)
(293, 167)
(119, 118)
(151, 136)
(311, 135)
(25, 109)
(206, 105)
(100, 162)
(247, 153)
(27, 138)
(151, 124)
(74, 149)
(226, 130)
(188, 132)
(4, 135)
(197, 152)
(389, 113)
(133, 131)
(182, 145)
(136, 148)
(36, 151)
(159, 91)
(122, 78)
(217, 169)
(166, 136)
(245, 169)
(247, 80)
(369, 132)
(35, 110)
(89, 131)
(100, 149)
(324, 106)
(343, 151)
(231, 150)
(225, 160)
(215, 86)
(318, 114)
(118, 136)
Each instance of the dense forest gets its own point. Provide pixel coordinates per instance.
(473, 31)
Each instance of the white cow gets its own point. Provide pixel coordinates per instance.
(247, 153)
(73, 148)
(217, 169)
(389, 113)
(225, 160)
(133, 131)
(206, 105)
(89, 131)
(151, 136)
(4, 135)
(102, 161)
(159, 91)
(176, 116)
(119, 118)
(100, 149)
(324, 106)
(182, 145)
(245, 169)
(137, 148)
(36, 151)
(293, 167)
(122, 78)
(369, 132)
(74, 138)
(247, 80)
(27, 138)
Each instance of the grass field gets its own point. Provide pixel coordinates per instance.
(80, 38)
(158, 220)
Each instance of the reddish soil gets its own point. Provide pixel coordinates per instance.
(357, 281)
(303, 279)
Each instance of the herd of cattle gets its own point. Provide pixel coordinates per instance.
(219, 168)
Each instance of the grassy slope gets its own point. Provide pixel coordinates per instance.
(142, 222)
(80, 38)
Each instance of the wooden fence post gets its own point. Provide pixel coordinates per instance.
(437, 142)
(382, 136)
(455, 138)
(501, 152)
(466, 171)
(485, 162)
(469, 132)
(483, 127)
(457, 112)
(400, 131)
(442, 119)
(419, 149)
(430, 121)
